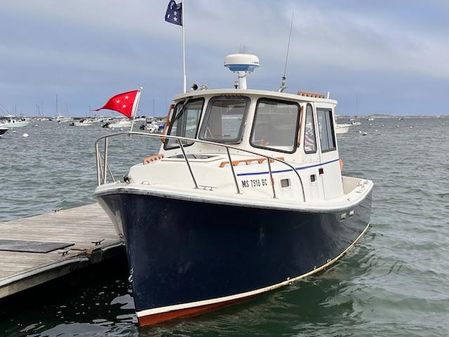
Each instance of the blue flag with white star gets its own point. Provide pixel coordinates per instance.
(174, 13)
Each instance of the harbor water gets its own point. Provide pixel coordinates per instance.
(394, 282)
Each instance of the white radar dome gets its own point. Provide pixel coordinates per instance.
(243, 64)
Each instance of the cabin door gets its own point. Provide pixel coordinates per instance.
(329, 173)
(314, 182)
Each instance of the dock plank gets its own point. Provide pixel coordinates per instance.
(81, 226)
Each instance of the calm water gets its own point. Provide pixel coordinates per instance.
(395, 282)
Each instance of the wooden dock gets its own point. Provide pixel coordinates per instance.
(41, 248)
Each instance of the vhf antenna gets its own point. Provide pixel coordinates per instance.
(284, 77)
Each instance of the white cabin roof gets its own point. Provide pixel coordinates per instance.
(264, 93)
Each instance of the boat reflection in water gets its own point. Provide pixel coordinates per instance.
(245, 195)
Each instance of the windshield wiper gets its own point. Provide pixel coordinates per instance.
(181, 111)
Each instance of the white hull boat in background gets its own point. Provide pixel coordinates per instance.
(11, 123)
(82, 122)
(342, 128)
(121, 124)
(62, 119)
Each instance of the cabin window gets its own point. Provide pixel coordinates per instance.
(326, 129)
(224, 118)
(275, 125)
(184, 122)
(309, 131)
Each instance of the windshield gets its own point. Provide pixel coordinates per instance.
(185, 121)
(224, 119)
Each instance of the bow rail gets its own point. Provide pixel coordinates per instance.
(103, 169)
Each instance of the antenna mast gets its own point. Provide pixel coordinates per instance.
(284, 77)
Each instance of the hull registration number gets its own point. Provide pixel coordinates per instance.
(248, 183)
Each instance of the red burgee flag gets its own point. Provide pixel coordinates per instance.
(125, 103)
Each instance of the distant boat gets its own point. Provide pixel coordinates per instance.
(3, 131)
(62, 119)
(342, 128)
(82, 122)
(120, 124)
(153, 127)
(12, 122)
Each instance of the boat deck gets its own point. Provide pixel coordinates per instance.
(41, 248)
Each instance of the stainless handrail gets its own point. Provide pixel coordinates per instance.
(97, 159)
(105, 164)
(179, 139)
(271, 179)
(108, 169)
(233, 171)
(188, 163)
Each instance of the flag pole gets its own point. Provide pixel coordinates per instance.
(135, 108)
(184, 46)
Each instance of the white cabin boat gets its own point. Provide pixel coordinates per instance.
(245, 195)
(153, 126)
(342, 128)
(13, 122)
(82, 122)
(62, 119)
(118, 124)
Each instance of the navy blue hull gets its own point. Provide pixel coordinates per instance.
(183, 251)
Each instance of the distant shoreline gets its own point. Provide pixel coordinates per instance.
(384, 116)
(374, 116)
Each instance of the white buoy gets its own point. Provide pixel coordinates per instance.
(25, 135)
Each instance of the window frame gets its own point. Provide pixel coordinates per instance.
(314, 130)
(173, 117)
(295, 139)
(205, 120)
(332, 131)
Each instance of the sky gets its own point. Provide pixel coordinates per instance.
(374, 57)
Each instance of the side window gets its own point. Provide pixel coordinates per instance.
(275, 125)
(326, 129)
(309, 131)
(185, 122)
